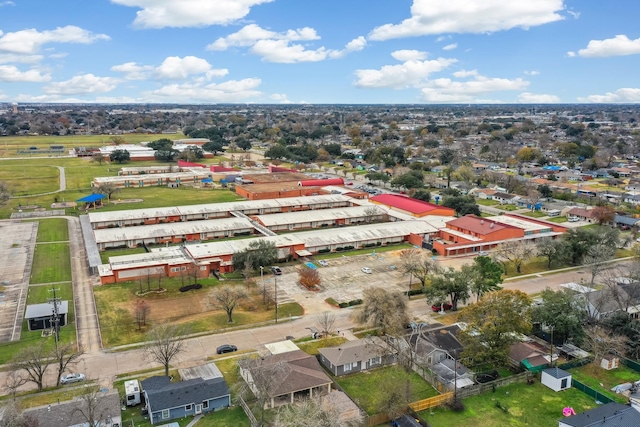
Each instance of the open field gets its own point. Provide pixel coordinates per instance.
(193, 310)
(51, 263)
(52, 230)
(365, 388)
(26, 179)
(527, 405)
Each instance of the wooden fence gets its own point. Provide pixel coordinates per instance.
(377, 419)
(431, 402)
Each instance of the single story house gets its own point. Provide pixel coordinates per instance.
(169, 401)
(525, 354)
(281, 378)
(75, 413)
(611, 414)
(625, 221)
(357, 356)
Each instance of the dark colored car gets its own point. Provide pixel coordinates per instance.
(226, 348)
(440, 306)
(276, 270)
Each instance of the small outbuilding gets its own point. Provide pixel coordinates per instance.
(39, 316)
(556, 379)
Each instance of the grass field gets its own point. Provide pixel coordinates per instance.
(51, 263)
(52, 230)
(603, 381)
(526, 405)
(192, 310)
(312, 347)
(104, 255)
(535, 214)
(40, 294)
(24, 180)
(558, 219)
(365, 388)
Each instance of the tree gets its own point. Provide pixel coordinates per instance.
(106, 188)
(98, 157)
(120, 156)
(596, 259)
(515, 252)
(418, 264)
(93, 407)
(492, 325)
(166, 154)
(395, 396)
(326, 323)
(533, 197)
(447, 156)
(227, 298)
(464, 173)
(66, 355)
(383, 309)
(13, 417)
(463, 205)
(408, 180)
(13, 381)
(308, 277)
(452, 284)
(213, 146)
(551, 249)
(164, 344)
(192, 153)
(243, 143)
(579, 240)
(488, 276)
(277, 152)
(423, 195)
(117, 140)
(5, 193)
(562, 312)
(259, 253)
(545, 191)
(34, 360)
(604, 214)
(141, 311)
(314, 412)
(599, 341)
(161, 144)
(621, 323)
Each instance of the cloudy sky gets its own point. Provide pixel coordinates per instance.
(320, 51)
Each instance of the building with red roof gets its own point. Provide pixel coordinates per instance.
(411, 206)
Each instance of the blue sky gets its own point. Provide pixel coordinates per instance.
(320, 51)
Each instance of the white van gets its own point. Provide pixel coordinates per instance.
(132, 392)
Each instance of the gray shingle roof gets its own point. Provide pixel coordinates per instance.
(609, 415)
(163, 394)
(355, 351)
(557, 373)
(65, 414)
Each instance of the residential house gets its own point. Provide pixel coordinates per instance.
(625, 221)
(622, 295)
(282, 378)
(356, 356)
(611, 414)
(169, 401)
(74, 413)
(631, 198)
(583, 214)
(504, 198)
(525, 354)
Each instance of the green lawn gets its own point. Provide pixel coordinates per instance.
(26, 179)
(105, 255)
(364, 388)
(232, 417)
(609, 379)
(364, 251)
(40, 294)
(312, 347)
(51, 263)
(558, 219)
(527, 405)
(52, 230)
(487, 202)
(535, 214)
(509, 208)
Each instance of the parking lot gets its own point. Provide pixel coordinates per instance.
(342, 278)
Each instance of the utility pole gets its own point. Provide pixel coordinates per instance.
(55, 316)
(275, 291)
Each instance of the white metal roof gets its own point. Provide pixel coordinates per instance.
(121, 234)
(318, 215)
(519, 222)
(170, 255)
(133, 214)
(216, 249)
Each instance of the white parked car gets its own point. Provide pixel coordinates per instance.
(483, 253)
(574, 219)
(323, 263)
(366, 270)
(71, 378)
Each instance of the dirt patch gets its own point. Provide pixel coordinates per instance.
(122, 201)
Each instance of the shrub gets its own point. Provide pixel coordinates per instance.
(343, 305)
(324, 251)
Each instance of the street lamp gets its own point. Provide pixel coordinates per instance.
(264, 294)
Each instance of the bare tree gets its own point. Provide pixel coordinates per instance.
(326, 322)
(5, 193)
(93, 407)
(261, 379)
(371, 214)
(66, 356)
(13, 381)
(596, 259)
(515, 252)
(34, 360)
(227, 298)
(13, 417)
(600, 342)
(315, 412)
(141, 312)
(308, 277)
(533, 197)
(165, 343)
(106, 188)
(383, 309)
(418, 264)
(98, 157)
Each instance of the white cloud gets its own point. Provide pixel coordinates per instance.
(430, 17)
(86, 83)
(11, 73)
(229, 91)
(133, 71)
(442, 38)
(6, 58)
(409, 55)
(75, 100)
(7, 3)
(29, 41)
(620, 45)
(465, 73)
(411, 73)
(280, 98)
(278, 47)
(623, 95)
(533, 98)
(173, 67)
(531, 72)
(450, 46)
(450, 91)
(188, 13)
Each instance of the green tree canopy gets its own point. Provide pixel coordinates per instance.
(452, 284)
(258, 253)
(563, 312)
(120, 156)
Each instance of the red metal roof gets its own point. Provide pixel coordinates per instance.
(478, 225)
(321, 182)
(406, 203)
